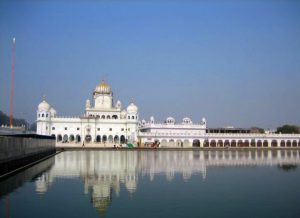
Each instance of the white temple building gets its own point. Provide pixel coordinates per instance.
(103, 122)
(107, 124)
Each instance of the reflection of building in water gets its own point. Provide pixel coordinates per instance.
(106, 171)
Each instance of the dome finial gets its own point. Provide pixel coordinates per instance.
(44, 97)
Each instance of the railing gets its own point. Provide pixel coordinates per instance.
(219, 135)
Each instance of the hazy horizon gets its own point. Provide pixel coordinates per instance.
(236, 63)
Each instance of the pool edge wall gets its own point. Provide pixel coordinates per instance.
(19, 150)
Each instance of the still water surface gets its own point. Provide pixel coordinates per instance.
(157, 184)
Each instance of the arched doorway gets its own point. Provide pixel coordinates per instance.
(259, 143)
(265, 143)
(246, 143)
(282, 143)
(196, 143)
(213, 143)
(240, 143)
(116, 139)
(226, 143)
(65, 138)
(206, 143)
(104, 138)
(288, 143)
(294, 143)
(71, 138)
(274, 143)
(179, 143)
(88, 138)
(59, 138)
(98, 138)
(233, 143)
(172, 143)
(78, 138)
(220, 143)
(122, 139)
(252, 143)
(186, 143)
(164, 143)
(110, 139)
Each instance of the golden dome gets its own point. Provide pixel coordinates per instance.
(103, 84)
(103, 88)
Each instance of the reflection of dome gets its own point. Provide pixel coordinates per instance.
(130, 186)
(44, 106)
(41, 187)
(132, 108)
(103, 88)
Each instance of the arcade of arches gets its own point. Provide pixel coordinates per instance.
(88, 138)
(219, 143)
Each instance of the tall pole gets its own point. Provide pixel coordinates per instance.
(12, 83)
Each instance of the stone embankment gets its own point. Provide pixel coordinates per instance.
(19, 150)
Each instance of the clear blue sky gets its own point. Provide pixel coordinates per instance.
(233, 62)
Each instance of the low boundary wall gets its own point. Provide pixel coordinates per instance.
(19, 150)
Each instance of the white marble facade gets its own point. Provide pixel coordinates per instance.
(103, 122)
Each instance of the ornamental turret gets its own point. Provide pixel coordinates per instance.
(44, 114)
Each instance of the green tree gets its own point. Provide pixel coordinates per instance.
(4, 120)
(288, 129)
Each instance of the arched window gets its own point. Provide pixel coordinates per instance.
(132, 117)
(46, 115)
(115, 117)
(39, 115)
(128, 117)
(42, 115)
(108, 117)
(102, 117)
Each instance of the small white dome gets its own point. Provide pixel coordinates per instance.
(118, 104)
(123, 114)
(53, 111)
(44, 106)
(187, 120)
(132, 108)
(88, 103)
(170, 120)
